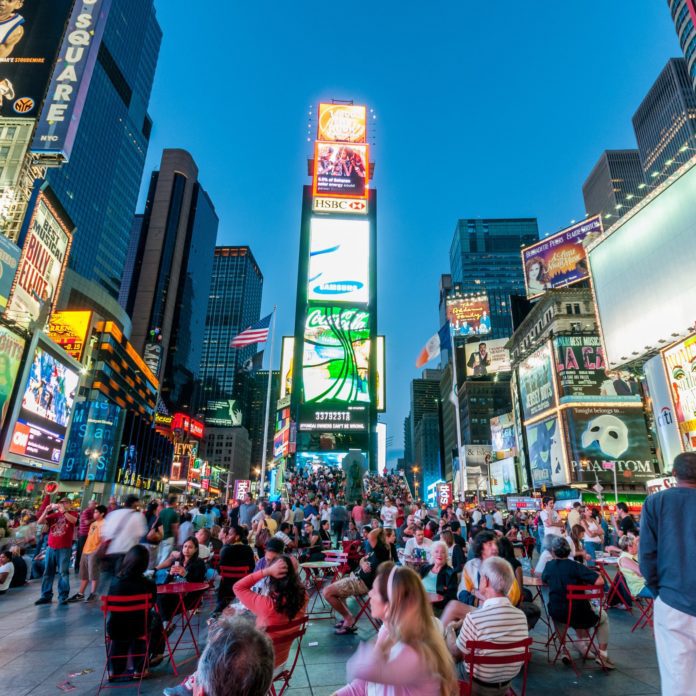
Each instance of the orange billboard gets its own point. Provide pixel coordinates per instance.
(70, 330)
(342, 123)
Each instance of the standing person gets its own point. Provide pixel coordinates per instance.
(123, 529)
(573, 516)
(61, 529)
(550, 518)
(594, 536)
(169, 522)
(89, 561)
(86, 519)
(339, 520)
(358, 514)
(388, 513)
(247, 510)
(668, 564)
(625, 523)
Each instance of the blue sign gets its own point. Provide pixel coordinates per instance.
(9, 260)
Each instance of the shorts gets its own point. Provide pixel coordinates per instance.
(348, 587)
(89, 567)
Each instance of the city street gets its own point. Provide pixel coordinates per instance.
(43, 646)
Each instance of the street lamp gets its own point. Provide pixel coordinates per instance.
(415, 470)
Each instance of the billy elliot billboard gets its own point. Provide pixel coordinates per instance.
(560, 259)
(536, 382)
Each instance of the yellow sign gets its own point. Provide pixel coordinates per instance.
(70, 331)
(342, 123)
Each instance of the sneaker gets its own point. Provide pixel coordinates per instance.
(183, 689)
(43, 600)
(604, 661)
(92, 597)
(63, 602)
(77, 597)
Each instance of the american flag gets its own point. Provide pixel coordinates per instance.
(256, 333)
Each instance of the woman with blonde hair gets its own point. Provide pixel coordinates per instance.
(410, 656)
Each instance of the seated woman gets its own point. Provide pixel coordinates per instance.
(235, 553)
(184, 566)
(126, 629)
(310, 544)
(560, 572)
(325, 534)
(455, 554)
(628, 565)
(438, 577)
(409, 657)
(575, 541)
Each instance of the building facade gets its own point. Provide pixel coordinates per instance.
(614, 186)
(254, 419)
(229, 449)
(684, 18)
(425, 439)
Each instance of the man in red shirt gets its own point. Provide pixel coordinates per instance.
(61, 530)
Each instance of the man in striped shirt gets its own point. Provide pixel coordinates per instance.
(495, 620)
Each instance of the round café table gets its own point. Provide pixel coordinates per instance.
(535, 584)
(315, 582)
(180, 590)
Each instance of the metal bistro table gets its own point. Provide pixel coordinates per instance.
(535, 585)
(315, 581)
(180, 590)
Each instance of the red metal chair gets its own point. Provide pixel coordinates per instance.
(645, 607)
(283, 638)
(618, 589)
(475, 657)
(111, 604)
(364, 604)
(575, 594)
(340, 557)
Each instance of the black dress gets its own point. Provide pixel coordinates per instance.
(558, 574)
(235, 556)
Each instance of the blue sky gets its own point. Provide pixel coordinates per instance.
(491, 109)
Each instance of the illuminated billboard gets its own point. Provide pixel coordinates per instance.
(381, 370)
(9, 261)
(336, 355)
(503, 477)
(11, 350)
(643, 273)
(486, 358)
(188, 425)
(42, 263)
(546, 456)
(314, 460)
(583, 374)
(559, 260)
(226, 413)
(598, 435)
(680, 363)
(339, 254)
(70, 330)
(47, 402)
(536, 382)
(315, 418)
(343, 123)
(503, 438)
(31, 33)
(469, 315)
(341, 170)
(287, 354)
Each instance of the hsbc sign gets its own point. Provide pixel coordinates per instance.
(351, 206)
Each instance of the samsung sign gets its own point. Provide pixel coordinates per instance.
(60, 116)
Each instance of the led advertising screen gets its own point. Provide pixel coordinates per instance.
(44, 256)
(92, 442)
(485, 358)
(11, 350)
(600, 434)
(30, 34)
(339, 261)
(343, 123)
(9, 260)
(559, 260)
(503, 437)
(536, 382)
(341, 170)
(583, 374)
(503, 477)
(336, 355)
(287, 354)
(39, 432)
(227, 413)
(546, 459)
(381, 368)
(469, 315)
(69, 330)
(314, 460)
(680, 363)
(323, 418)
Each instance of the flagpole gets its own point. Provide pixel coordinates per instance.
(458, 425)
(268, 405)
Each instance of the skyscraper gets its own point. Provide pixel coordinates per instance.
(99, 186)
(234, 304)
(684, 17)
(614, 186)
(665, 122)
(171, 278)
(424, 423)
(256, 413)
(485, 255)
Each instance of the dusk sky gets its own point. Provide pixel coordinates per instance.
(490, 109)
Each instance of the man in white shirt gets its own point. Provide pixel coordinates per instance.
(550, 518)
(418, 541)
(497, 621)
(124, 528)
(460, 512)
(498, 520)
(388, 513)
(476, 516)
(6, 571)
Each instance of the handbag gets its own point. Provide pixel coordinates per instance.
(154, 536)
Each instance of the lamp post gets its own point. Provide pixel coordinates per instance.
(415, 470)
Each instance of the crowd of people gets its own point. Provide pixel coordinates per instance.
(434, 579)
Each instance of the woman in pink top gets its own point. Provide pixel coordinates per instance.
(410, 657)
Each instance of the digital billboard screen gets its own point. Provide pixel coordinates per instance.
(11, 350)
(680, 363)
(344, 123)
(503, 438)
(339, 261)
(600, 434)
(69, 330)
(341, 170)
(39, 432)
(536, 382)
(503, 477)
(314, 460)
(30, 32)
(326, 419)
(485, 358)
(559, 260)
(469, 315)
(546, 456)
(9, 261)
(226, 413)
(287, 356)
(381, 396)
(583, 374)
(336, 355)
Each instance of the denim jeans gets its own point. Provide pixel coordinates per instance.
(591, 547)
(57, 560)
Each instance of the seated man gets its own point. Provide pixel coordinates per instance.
(418, 545)
(284, 533)
(204, 553)
(628, 565)
(495, 620)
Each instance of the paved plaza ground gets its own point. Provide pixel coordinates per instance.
(41, 646)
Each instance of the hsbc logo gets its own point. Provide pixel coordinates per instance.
(354, 206)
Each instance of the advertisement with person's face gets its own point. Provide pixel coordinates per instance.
(469, 315)
(487, 358)
(341, 170)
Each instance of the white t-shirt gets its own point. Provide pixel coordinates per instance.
(461, 516)
(9, 569)
(476, 516)
(550, 519)
(545, 557)
(125, 527)
(389, 516)
(411, 545)
(498, 518)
